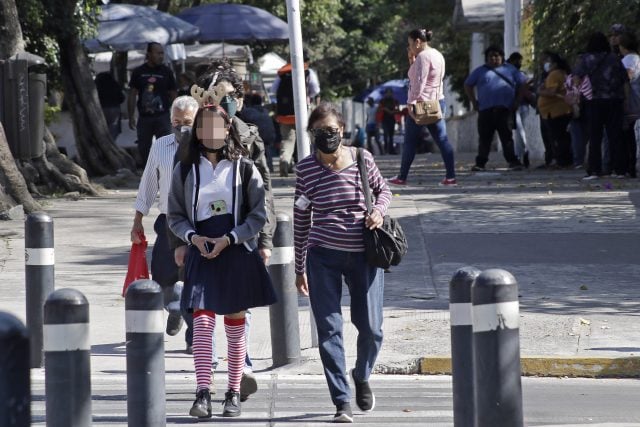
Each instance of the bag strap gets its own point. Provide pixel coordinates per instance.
(502, 76)
(364, 177)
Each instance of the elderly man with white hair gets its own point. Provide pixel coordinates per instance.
(157, 178)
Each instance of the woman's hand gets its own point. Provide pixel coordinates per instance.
(301, 284)
(218, 244)
(374, 220)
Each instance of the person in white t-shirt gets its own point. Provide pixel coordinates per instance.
(372, 127)
(631, 61)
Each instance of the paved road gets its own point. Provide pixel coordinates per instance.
(401, 400)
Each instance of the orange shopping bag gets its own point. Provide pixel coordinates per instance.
(138, 268)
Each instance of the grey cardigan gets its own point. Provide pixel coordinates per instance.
(249, 216)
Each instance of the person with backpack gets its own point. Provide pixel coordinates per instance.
(220, 72)
(608, 79)
(282, 86)
(218, 208)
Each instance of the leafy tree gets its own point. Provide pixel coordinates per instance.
(563, 26)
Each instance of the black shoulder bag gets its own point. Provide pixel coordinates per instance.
(386, 245)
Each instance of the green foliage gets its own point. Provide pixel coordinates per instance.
(42, 21)
(563, 26)
(50, 113)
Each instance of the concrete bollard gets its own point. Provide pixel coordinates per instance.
(15, 386)
(283, 315)
(496, 347)
(67, 365)
(39, 277)
(144, 318)
(462, 345)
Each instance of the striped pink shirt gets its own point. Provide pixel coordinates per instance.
(334, 217)
(425, 77)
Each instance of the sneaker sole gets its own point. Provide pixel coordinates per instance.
(231, 414)
(196, 412)
(343, 418)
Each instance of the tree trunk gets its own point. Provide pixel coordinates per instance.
(49, 173)
(98, 153)
(11, 41)
(13, 187)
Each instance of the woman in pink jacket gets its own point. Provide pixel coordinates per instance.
(426, 82)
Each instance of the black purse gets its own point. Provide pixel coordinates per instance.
(386, 245)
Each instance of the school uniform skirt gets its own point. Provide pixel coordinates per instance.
(235, 280)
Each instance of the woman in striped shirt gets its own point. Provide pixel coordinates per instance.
(329, 217)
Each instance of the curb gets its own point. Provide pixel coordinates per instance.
(584, 367)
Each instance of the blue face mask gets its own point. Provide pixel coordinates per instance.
(230, 105)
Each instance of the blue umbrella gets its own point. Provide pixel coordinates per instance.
(234, 22)
(124, 27)
(400, 89)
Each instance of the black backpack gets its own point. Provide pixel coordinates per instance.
(284, 94)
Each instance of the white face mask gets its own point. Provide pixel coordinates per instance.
(547, 67)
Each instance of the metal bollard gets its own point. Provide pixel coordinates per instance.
(283, 315)
(144, 318)
(67, 365)
(39, 277)
(496, 347)
(15, 385)
(462, 345)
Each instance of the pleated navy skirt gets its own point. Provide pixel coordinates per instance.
(234, 281)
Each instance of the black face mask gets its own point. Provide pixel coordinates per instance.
(218, 151)
(326, 140)
(182, 134)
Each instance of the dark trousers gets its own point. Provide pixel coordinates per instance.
(490, 121)
(163, 267)
(147, 128)
(629, 148)
(560, 140)
(547, 141)
(606, 114)
(388, 128)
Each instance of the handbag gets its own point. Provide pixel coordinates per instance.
(386, 245)
(138, 268)
(428, 112)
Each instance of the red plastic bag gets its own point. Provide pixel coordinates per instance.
(138, 268)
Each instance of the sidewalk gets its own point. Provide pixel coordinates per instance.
(572, 246)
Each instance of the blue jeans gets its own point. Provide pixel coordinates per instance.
(325, 270)
(438, 131)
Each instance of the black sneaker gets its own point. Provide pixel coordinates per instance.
(343, 413)
(365, 399)
(231, 404)
(174, 323)
(476, 168)
(202, 405)
(515, 166)
(248, 385)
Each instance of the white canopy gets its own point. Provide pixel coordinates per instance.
(192, 55)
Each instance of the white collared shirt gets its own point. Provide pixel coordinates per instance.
(157, 175)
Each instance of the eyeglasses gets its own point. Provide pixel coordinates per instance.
(328, 130)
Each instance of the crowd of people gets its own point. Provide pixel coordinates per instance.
(210, 166)
(209, 172)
